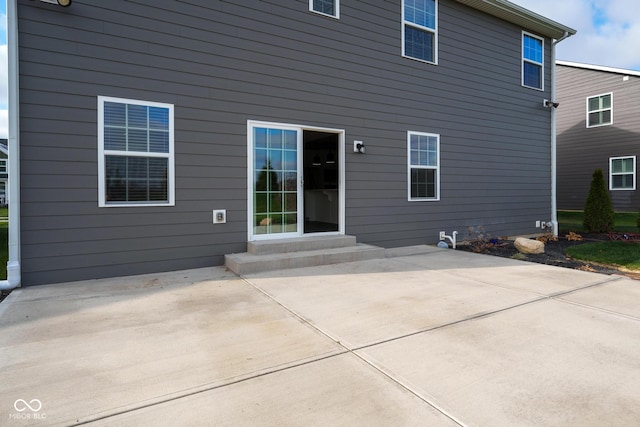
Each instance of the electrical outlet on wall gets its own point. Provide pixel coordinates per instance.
(219, 216)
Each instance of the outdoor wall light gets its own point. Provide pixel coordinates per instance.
(63, 3)
(358, 147)
(549, 104)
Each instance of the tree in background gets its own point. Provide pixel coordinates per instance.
(598, 210)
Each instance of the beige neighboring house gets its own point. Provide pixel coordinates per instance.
(597, 128)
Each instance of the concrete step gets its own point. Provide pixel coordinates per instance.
(264, 247)
(246, 263)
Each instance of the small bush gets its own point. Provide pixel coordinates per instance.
(598, 210)
(477, 239)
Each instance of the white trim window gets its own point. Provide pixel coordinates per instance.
(326, 7)
(420, 30)
(135, 153)
(532, 61)
(4, 166)
(622, 173)
(423, 152)
(600, 110)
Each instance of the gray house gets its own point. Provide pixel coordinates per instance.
(161, 135)
(598, 128)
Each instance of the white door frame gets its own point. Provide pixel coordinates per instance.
(251, 124)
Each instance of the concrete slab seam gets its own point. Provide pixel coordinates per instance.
(391, 377)
(406, 384)
(204, 389)
(300, 318)
(600, 309)
(582, 288)
(511, 288)
(354, 353)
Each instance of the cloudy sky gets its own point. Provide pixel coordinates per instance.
(608, 31)
(608, 34)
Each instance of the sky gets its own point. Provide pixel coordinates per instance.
(608, 32)
(608, 35)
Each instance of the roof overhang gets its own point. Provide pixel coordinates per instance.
(621, 71)
(522, 17)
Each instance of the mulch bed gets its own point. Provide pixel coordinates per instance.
(554, 253)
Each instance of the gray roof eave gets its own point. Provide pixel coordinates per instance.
(522, 17)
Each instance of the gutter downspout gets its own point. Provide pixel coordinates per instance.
(13, 264)
(554, 142)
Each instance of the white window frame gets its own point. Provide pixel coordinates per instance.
(337, 9)
(434, 31)
(600, 110)
(410, 167)
(611, 174)
(525, 60)
(4, 166)
(102, 153)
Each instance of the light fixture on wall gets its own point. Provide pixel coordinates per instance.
(63, 3)
(358, 147)
(548, 104)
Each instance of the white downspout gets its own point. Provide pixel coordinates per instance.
(554, 142)
(13, 264)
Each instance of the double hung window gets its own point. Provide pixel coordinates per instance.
(419, 32)
(325, 7)
(135, 153)
(600, 110)
(622, 173)
(532, 61)
(424, 166)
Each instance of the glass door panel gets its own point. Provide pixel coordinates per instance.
(275, 185)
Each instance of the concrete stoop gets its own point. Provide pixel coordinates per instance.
(300, 252)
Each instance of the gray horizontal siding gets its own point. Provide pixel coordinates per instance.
(223, 63)
(581, 150)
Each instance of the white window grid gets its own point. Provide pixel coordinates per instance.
(612, 173)
(435, 167)
(336, 8)
(600, 110)
(102, 153)
(530, 61)
(433, 31)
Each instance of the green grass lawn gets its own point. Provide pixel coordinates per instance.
(621, 254)
(616, 253)
(624, 222)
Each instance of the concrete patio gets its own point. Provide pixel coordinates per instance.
(443, 338)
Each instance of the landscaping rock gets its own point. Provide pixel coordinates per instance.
(528, 246)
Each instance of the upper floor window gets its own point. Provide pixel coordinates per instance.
(600, 110)
(135, 153)
(532, 61)
(325, 7)
(424, 166)
(622, 173)
(419, 33)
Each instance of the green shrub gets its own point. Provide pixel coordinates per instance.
(598, 210)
